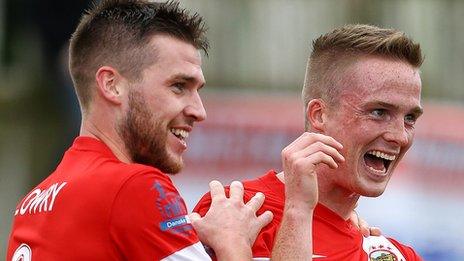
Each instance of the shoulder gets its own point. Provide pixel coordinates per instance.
(381, 246)
(116, 173)
(408, 252)
(144, 181)
(91, 160)
(251, 187)
(149, 219)
(121, 186)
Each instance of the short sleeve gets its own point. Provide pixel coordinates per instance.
(149, 221)
(203, 205)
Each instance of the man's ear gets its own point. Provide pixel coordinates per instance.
(315, 113)
(110, 84)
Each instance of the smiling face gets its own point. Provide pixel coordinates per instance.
(374, 117)
(162, 107)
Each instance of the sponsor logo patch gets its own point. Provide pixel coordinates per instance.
(173, 223)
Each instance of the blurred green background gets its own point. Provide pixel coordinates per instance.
(259, 47)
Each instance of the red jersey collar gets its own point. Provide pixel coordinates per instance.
(85, 143)
(274, 184)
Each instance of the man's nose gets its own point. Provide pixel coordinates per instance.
(396, 132)
(195, 108)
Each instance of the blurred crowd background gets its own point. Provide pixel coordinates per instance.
(254, 73)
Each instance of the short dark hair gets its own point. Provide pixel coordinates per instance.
(117, 33)
(334, 51)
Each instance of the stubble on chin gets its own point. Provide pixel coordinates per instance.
(145, 137)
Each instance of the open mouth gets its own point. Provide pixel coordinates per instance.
(180, 134)
(378, 161)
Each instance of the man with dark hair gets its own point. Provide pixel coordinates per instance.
(137, 71)
(362, 99)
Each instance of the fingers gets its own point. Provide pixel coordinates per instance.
(363, 226)
(256, 202)
(313, 148)
(218, 193)
(303, 165)
(264, 219)
(364, 229)
(257, 223)
(354, 218)
(194, 217)
(308, 138)
(375, 231)
(216, 190)
(229, 220)
(319, 147)
(236, 191)
(321, 157)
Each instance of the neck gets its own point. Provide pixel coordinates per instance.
(337, 199)
(90, 129)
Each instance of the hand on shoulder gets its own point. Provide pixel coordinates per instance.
(230, 224)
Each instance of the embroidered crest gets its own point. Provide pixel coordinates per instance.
(382, 253)
(381, 249)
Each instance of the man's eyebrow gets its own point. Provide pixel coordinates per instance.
(418, 111)
(382, 104)
(184, 77)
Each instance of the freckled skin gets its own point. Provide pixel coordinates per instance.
(369, 84)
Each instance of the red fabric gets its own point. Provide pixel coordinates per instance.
(105, 210)
(334, 238)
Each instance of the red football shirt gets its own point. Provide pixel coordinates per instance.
(95, 207)
(333, 238)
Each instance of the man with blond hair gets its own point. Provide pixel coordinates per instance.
(362, 97)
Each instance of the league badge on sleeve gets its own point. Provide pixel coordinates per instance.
(173, 211)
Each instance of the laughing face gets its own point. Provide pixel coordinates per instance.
(374, 119)
(163, 106)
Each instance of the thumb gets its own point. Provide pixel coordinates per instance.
(194, 217)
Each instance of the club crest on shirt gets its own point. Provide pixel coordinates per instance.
(382, 253)
(379, 248)
(173, 212)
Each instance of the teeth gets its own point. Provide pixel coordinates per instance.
(180, 133)
(382, 155)
(377, 171)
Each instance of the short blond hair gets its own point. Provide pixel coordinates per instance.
(334, 51)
